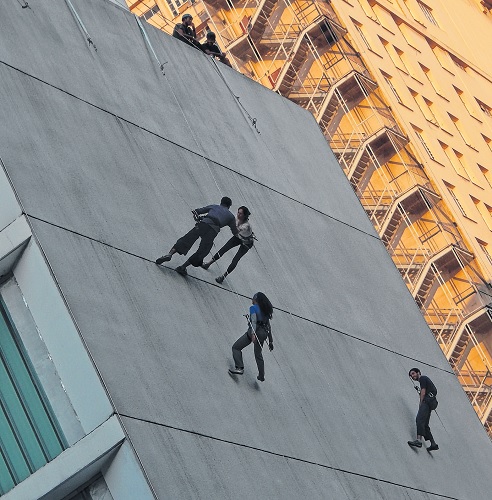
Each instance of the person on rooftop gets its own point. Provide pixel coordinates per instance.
(214, 217)
(244, 239)
(211, 48)
(185, 31)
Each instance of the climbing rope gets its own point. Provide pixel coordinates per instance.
(81, 24)
(149, 45)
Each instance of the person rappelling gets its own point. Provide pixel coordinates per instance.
(244, 239)
(209, 221)
(259, 329)
(428, 402)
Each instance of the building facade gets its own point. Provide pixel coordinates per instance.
(402, 95)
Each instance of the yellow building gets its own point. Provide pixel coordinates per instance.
(402, 91)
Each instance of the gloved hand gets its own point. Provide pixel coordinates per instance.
(195, 215)
(270, 346)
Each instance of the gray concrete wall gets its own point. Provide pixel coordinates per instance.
(108, 156)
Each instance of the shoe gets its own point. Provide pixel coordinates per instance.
(261, 379)
(415, 444)
(182, 270)
(220, 279)
(206, 265)
(236, 371)
(164, 258)
(433, 447)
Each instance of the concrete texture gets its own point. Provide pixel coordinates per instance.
(108, 179)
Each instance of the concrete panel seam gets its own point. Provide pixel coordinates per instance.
(155, 134)
(288, 457)
(450, 372)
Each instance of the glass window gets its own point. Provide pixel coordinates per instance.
(487, 110)
(29, 434)
(151, 12)
(427, 13)
(424, 144)
(455, 198)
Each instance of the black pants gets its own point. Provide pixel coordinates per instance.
(207, 234)
(242, 251)
(423, 417)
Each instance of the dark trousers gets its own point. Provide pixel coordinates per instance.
(242, 251)
(207, 234)
(423, 417)
(244, 341)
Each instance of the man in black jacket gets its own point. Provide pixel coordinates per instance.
(207, 228)
(428, 402)
(211, 48)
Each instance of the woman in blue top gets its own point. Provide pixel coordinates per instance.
(260, 314)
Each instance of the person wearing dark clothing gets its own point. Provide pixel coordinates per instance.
(211, 48)
(213, 218)
(185, 31)
(428, 402)
(260, 314)
(244, 240)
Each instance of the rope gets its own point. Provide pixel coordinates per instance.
(80, 23)
(149, 45)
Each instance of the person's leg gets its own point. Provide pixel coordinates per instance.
(261, 335)
(207, 234)
(182, 246)
(428, 434)
(238, 346)
(231, 243)
(241, 252)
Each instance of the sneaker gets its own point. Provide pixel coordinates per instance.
(206, 265)
(164, 258)
(433, 447)
(220, 279)
(415, 444)
(182, 270)
(236, 371)
(261, 379)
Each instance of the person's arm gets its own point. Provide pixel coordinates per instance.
(422, 394)
(270, 338)
(203, 210)
(181, 32)
(233, 226)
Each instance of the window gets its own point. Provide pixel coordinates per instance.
(443, 57)
(488, 142)
(456, 159)
(484, 246)
(427, 12)
(431, 79)
(487, 110)
(358, 27)
(368, 9)
(174, 6)
(455, 199)
(411, 36)
(424, 144)
(425, 106)
(486, 174)
(393, 55)
(151, 12)
(459, 63)
(460, 129)
(387, 79)
(465, 101)
(30, 436)
(484, 210)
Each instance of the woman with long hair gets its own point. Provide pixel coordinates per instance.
(244, 239)
(260, 314)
